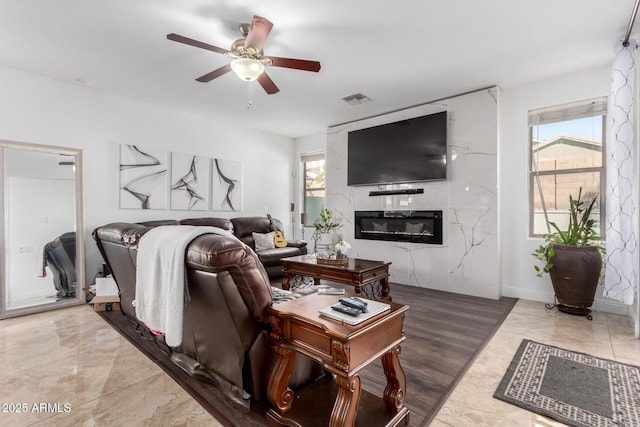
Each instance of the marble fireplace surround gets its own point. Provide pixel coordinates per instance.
(467, 261)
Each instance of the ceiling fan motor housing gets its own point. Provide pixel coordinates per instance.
(239, 50)
(249, 60)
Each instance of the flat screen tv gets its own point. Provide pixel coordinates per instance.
(410, 150)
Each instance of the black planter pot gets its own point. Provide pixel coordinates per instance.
(574, 276)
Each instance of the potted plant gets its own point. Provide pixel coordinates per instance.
(573, 259)
(324, 228)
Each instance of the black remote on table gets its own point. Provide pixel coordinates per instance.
(346, 310)
(355, 303)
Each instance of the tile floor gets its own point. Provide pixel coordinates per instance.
(30, 302)
(471, 403)
(85, 373)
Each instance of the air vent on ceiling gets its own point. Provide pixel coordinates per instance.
(356, 99)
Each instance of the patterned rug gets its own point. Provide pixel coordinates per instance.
(574, 388)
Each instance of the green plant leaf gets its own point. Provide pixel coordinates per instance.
(579, 232)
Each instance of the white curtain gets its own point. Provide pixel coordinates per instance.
(621, 279)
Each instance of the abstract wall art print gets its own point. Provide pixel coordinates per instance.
(143, 177)
(190, 182)
(226, 185)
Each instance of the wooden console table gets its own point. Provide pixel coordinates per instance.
(344, 351)
(369, 278)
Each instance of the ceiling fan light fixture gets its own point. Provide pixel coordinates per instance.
(247, 69)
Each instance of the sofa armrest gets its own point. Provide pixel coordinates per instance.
(121, 233)
(296, 243)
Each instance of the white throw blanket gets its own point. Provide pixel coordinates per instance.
(160, 277)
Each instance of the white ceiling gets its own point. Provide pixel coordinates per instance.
(30, 164)
(400, 53)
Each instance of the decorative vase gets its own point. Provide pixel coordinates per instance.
(325, 242)
(574, 275)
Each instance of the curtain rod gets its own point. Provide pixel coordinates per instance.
(625, 43)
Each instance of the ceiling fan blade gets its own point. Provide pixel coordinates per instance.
(267, 84)
(214, 74)
(258, 33)
(186, 40)
(297, 64)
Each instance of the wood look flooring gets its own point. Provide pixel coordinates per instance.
(444, 334)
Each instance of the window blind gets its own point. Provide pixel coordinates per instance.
(577, 110)
(306, 158)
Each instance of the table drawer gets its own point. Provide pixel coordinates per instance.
(372, 276)
(312, 340)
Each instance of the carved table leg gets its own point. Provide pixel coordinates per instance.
(285, 281)
(278, 391)
(385, 288)
(345, 408)
(358, 290)
(394, 392)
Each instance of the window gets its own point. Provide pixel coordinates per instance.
(567, 148)
(314, 187)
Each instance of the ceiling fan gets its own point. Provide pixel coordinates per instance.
(249, 61)
(69, 162)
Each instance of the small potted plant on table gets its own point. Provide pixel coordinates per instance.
(573, 259)
(337, 256)
(323, 234)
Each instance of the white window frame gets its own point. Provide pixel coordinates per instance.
(306, 158)
(582, 109)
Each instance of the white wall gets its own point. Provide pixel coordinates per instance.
(38, 110)
(39, 210)
(517, 274)
(467, 262)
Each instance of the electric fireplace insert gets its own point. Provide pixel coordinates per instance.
(400, 226)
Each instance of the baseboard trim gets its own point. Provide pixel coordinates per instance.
(605, 305)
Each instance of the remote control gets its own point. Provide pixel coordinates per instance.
(346, 310)
(355, 303)
(359, 300)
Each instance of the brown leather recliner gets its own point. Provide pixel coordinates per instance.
(60, 256)
(225, 326)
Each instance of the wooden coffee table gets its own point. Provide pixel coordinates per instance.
(344, 350)
(369, 278)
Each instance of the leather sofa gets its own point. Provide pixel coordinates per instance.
(225, 328)
(243, 227)
(60, 256)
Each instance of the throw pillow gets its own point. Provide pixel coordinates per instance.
(413, 228)
(263, 241)
(380, 227)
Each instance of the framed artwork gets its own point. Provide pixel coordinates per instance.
(226, 185)
(143, 177)
(190, 182)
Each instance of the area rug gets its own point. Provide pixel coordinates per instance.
(574, 388)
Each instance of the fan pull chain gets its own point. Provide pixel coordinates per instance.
(249, 94)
